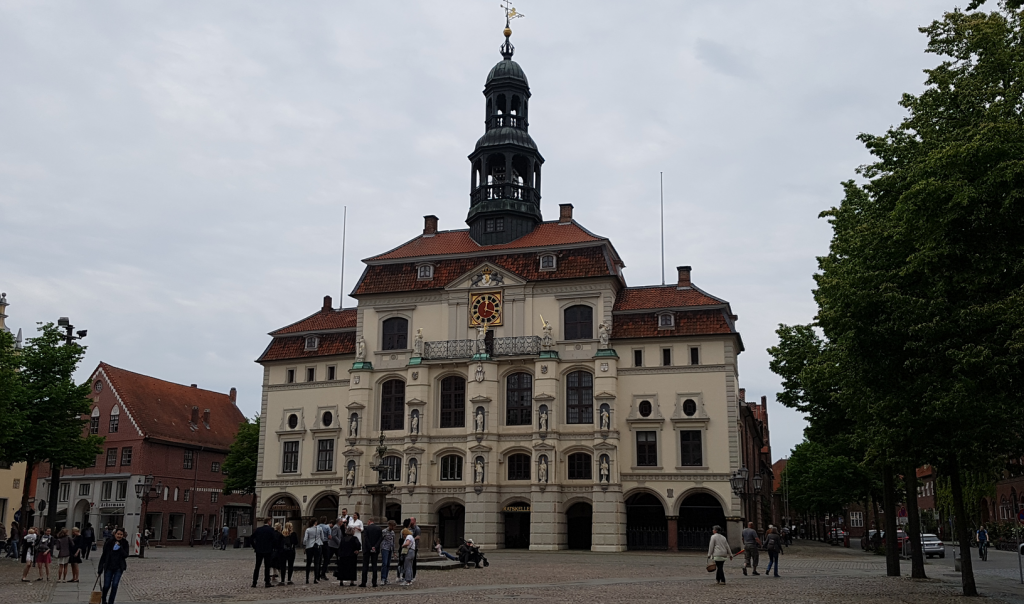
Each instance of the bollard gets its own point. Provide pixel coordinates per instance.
(956, 560)
(846, 540)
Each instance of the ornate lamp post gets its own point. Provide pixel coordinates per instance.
(380, 491)
(145, 490)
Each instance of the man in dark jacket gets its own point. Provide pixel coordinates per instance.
(263, 542)
(373, 534)
(112, 564)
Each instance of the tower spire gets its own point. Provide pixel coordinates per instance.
(507, 50)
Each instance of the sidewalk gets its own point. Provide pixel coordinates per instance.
(73, 593)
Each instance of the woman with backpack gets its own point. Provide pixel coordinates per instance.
(773, 543)
(112, 564)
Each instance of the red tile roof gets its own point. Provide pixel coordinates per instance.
(572, 263)
(163, 410)
(687, 323)
(294, 347)
(323, 320)
(663, 296)
(459, 242)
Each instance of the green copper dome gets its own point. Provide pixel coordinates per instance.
(505, 71)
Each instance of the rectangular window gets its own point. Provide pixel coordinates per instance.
(499, 224)
(290, 376)
(518, 467)
(215, 466)
(451, 467)
(187, 461)
(692, 453)
(857, 519)
(114, 421)
(579, 398)
(580, 467)
(647, 448)
(122, 490)
(290, 458)
(695, 356)
(453, 402)
(494, 225)
(106, 491)
(214, 496)
(666, 357)
(325, 455)
(310, 374)
(665, 320)
(638, 358)
(176, 527)
(332, 372)
(83, 489)
(188, 493)
(112, 457)
(94, 425)
(519, 399)
(547, 261)
(126, 456)
(426, 271)
(64, 492)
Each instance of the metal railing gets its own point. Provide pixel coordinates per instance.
(448, 349)
(504, 190)
(646, 539)
(515, 346)
(694, 538)
(464, 349)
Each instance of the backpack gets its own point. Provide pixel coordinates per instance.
(41, 546)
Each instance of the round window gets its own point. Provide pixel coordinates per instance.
(293, 421)
(327, 418)
(645, 408)
(98, 386)
(689, 407)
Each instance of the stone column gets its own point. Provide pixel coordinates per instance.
(673, 533)
(547, 523)
(734, 528)
(609, 520)
(482, 517)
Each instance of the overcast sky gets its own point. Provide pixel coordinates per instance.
(172, 174)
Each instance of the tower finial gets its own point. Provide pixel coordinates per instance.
(507, 49)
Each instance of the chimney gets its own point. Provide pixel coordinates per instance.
(328, 303)
(684, 276)
(430, 225)
(764, 402)
(233, 395)
(195, 385)
(564, 213)
(195, 416)
(206, 418)
(743, 395)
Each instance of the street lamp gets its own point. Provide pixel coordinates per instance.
(738, 482)
(144, 490)
(758, 482)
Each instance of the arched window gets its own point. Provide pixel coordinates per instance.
(451, 467)
(518, 399)
(453, 402)
(393, 471)
(115, 416)
(396, 334)
(580, 467)
(579, 323)
(94, 420)
(579, 398)
(518, 466)
(392, 405)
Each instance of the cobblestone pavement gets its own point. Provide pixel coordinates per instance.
(810, 573)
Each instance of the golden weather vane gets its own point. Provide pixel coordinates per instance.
(510, 12)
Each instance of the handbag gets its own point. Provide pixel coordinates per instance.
(712, 567)
(96, 597)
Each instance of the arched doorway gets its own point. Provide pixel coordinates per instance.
(646, 526)
(517, 525)
(451, 525)
(326, 507)
(579, 520)
(284, 508)
(697, 514)
(81, 515)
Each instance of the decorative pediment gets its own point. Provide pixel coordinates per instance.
(415, 402)
(480, 449)
(485, 276)
(542, 447)
(604, 446)
(605, 396)
(413, 450)
(353, 452)
(544, 398)
(480, 399)
(354, 406)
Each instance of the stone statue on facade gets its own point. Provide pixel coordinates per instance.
(478, 472)
(350, 477)
(412, 473)
(353, 426)
(542, 471)
(479, 420)
(606, 420)
(417, 343)
(414, 424)
(547, 341)
(543, 420)
(605, 470)
(360, 349)
(604, 335)
(480, 346)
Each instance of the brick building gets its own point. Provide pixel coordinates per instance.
(178, 434)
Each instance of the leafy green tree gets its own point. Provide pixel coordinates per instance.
(10, 392)
(240, 463)
(822, 483)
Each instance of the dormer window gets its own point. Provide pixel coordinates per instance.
(494, 225)
(548, 262)
(666, 319)
(425, 271)
(312, 342)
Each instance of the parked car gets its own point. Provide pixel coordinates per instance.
(867, 539)
(932, 546)
(900, 538)
(837, 534)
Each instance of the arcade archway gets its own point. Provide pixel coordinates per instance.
(451, 525)
(579, 520)
(326, 507)
(517, 525)
(698, 513)
(646, 526)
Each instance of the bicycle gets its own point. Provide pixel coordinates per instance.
(217, 542)
(983, 551)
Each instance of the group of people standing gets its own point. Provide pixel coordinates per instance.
(719, 550)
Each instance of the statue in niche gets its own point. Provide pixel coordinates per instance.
(353, 426)
(543, 420)
(605, 470)
(478, 471)
(479, 420)
(604, 335)
(414, 424)
(360, 349)
(350, 477)
(547, 341)
(542, 471)
(606, 420)
(412, 472)
(417, 343)
(480, 347)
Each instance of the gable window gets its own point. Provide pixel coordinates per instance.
(312, 342)
(187, 460)
(425, 271)
(547, 262)
(290, 376)
(666, 320)
(518, 466)
(396, 334)
(638, 358)
(647, 448)
(580, 467)
(126, 456)
(392, 405)
(112, 457)
(94, 421)
(453, 402)
(393, 471)
(579, 398)
(519, 399)
(579, 322)
(691, 453)
(115, 416)
(325, 455)
(332, 373)
(290, 457)
(666, 357)
(695, 356)
(451, 467)
(215, 466)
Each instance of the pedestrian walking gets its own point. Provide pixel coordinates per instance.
(263, 544)
(751, 543)
(312, 543)
(718, 550)
(30, 544)
(77, 544)
(15, 541)
(348, 548)
(334, 541)
(387, 548)
(409, 545)
(371, 542)
(325, 549)
(773, 544)
(225, 534)
(63, 544)
(289, 541)
(112, 564)
(206, 533)
(89, 537)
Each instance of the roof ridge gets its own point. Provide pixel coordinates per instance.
(322, 310)
(149, 377)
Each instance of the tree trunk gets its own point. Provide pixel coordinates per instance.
(878, 520)
(892, 554)
(52, 499)
(960, 522)
(914, 525)
(30, 468)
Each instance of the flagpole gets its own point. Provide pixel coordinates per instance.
(344, 225)
(661, 177)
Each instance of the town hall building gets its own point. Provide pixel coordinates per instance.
(527, 396)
